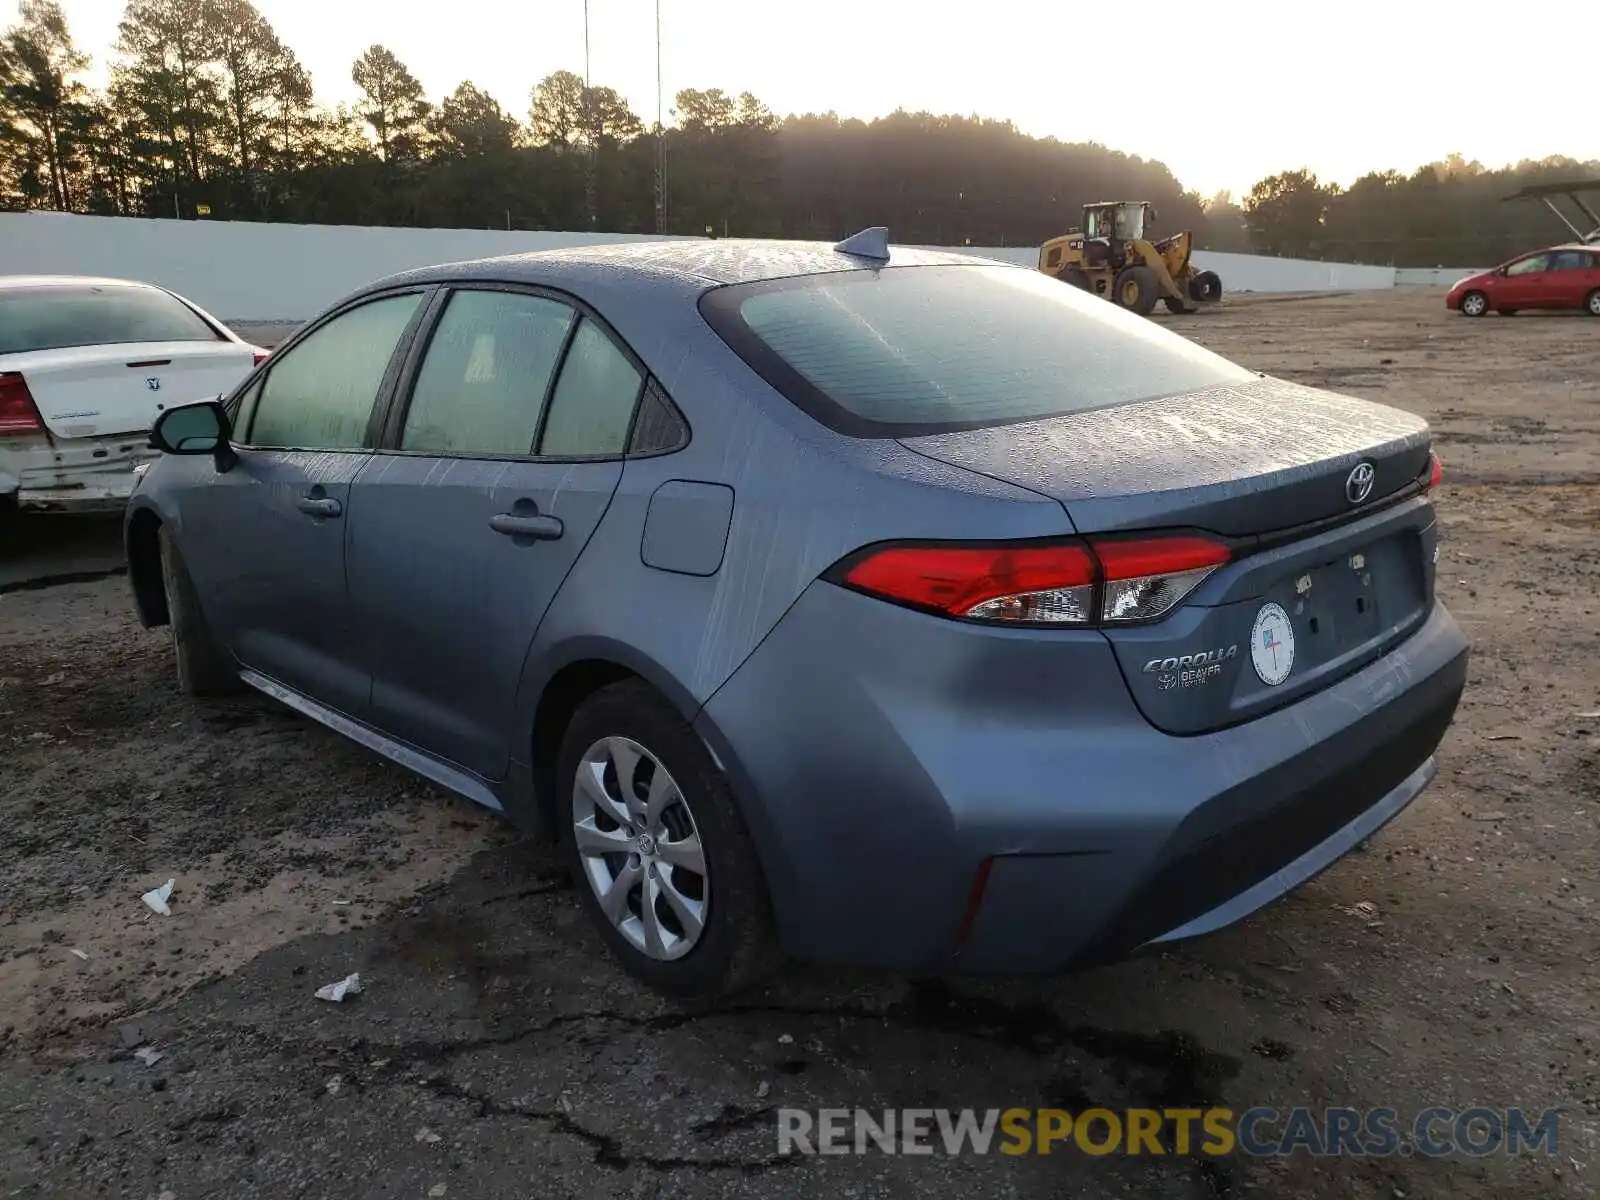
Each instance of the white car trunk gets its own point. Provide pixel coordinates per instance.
(97, 391)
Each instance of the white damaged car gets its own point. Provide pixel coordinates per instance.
(86, 366)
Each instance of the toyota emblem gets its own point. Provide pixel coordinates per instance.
(1359, 485)
(153, 383)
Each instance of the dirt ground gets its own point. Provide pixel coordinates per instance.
(496, 1052)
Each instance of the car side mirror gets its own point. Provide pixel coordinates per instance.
(201, 428)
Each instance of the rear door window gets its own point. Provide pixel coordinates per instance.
(59, 318)
(914, 350)
(1572, 260)
(483, 382)
(319, 393)
(592, 409)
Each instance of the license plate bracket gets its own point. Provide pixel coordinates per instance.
(1334, 608)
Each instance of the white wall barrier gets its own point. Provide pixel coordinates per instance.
(1253, 273)
(246, 271)
(1432, 276)
(1241, 272)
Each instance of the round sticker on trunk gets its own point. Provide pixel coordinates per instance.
(1272, 645)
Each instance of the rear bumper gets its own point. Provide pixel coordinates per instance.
(883, 756)
(76, 475)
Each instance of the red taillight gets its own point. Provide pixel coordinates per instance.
(1111, 580)
(1049, 582)
(1133, 558)
(1435, 471)
(1147, 576)
(261, 356)
(19, 415)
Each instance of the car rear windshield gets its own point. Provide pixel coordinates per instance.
(931, 349)
(56, 318)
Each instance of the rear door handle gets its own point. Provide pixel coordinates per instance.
(319, 506)
(532, 525)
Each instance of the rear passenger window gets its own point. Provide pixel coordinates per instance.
(594, 399)
(319, 394)
(488, 367)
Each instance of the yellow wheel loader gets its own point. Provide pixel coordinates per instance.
(1111, 257)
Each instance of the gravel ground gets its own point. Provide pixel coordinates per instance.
(495, 1051)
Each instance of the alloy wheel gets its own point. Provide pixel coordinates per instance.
(640, 848)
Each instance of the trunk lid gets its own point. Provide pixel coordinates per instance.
(100, 391)
(1322, 583)
(1238, 460)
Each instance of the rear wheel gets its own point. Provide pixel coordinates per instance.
(1474, 304)
(204, 667)
(10, 525)
(665, 864)
(1205, 286)
(1592, 304)
(1136, 289)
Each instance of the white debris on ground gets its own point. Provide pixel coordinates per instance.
(350, 985)
(157, 899)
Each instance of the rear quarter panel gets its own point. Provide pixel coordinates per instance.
(803, 498)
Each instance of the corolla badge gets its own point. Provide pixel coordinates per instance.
(1359, 484)
(1190, 670)
(1200, 658)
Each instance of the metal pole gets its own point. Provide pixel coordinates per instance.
(661, 136)
(590, 199)
(1562, 217)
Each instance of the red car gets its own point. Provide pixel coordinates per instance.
(1560, 277)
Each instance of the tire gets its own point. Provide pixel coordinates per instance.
(10, 525)
(1591, 304)
(736, 946)
(204, 667)
(1474, 304)
(1136, 289)
(1205, 287)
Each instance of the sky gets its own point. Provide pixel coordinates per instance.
(1230, 91)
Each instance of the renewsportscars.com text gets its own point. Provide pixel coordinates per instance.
(1436, 1132)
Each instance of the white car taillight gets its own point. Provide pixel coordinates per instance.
(19, 415)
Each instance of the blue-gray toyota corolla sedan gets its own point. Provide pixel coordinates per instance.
(876, 606)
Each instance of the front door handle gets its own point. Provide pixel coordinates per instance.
(527, 525)
(319, 506)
